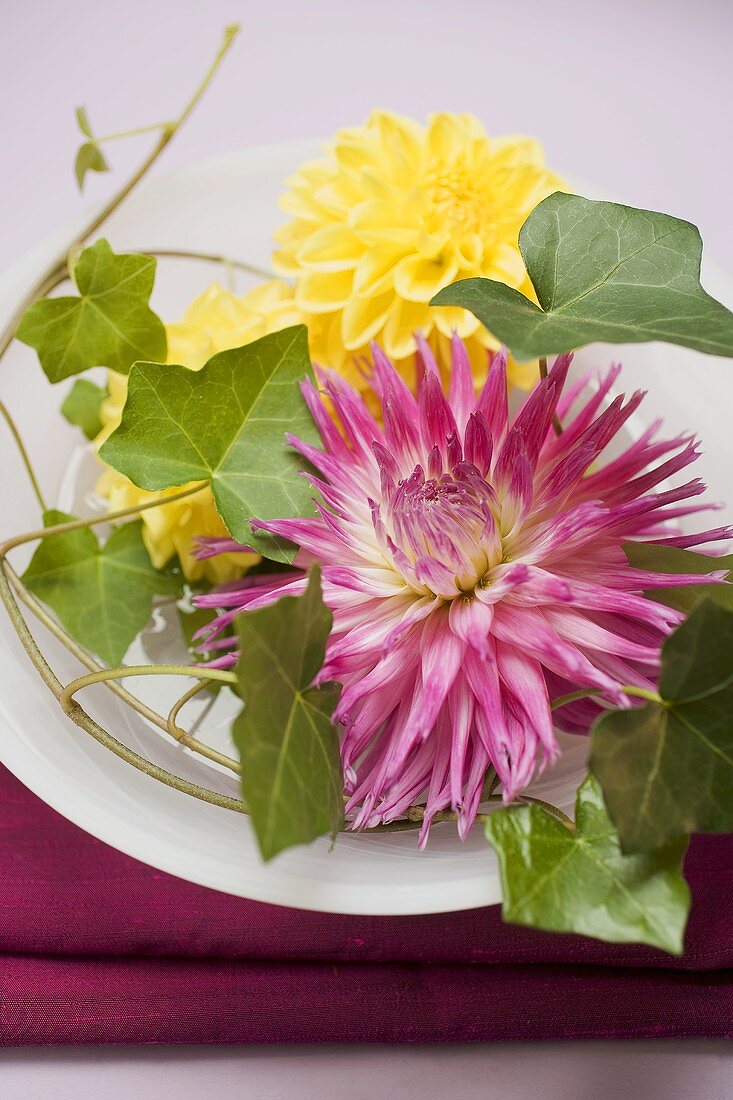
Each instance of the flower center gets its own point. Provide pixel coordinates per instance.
(441, 531)
(461, 207)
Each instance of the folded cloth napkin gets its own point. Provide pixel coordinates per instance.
(98, 948)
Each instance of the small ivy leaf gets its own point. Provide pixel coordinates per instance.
(90, 157)
(82, 119)
(225, 424)
(82, 406)
(578, 880)
(289, 748)
(109, 325)
(102, 594)
(600, 272)
(654, 558)
(666, 769)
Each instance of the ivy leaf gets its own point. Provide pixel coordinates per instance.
(102, 594)
(90, 157)
(82, 406)
(225, 424)
(109, 325)
(291, 771)
(666, 769)
(579, 880)
(600, 272)
(82, 119)
(670, 559)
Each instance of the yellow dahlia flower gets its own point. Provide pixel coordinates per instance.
(394, 212)
(216, 321)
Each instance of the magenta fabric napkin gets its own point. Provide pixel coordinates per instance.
(98, 948)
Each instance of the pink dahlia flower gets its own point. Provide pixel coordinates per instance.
(473, 563)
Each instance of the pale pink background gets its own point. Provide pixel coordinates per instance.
(633, 95)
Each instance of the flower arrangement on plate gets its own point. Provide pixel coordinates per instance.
(398, 526)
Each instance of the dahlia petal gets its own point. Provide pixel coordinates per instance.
(427, 362)
(437, 422)
(554, 444)
(535, 635)
(492, 402)
(534, 420)
(441, 653)
(460, 706)
(716, 534)
(471, 620)
(523, 677)
(330, 435)
(462, 397)
(478, 445)
(212, 547)
(584, 632)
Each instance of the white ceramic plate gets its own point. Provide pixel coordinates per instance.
(229, 205)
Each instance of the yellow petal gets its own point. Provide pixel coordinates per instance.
(449, 134)
(374, 272)
(514, 150)
(330, 248)
(505, 264)
(323, 291)
(363, 318)
(418, 280)
(266, 296)
(450, 319)
(405, 319)
(469, 252)
(375, 222)
(285, 263)
(523, 375)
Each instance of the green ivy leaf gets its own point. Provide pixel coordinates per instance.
(291, 770)
(225, 424)
(102, 594)
(579, 880)
(670, 559)
(109, 325)
(90, 157)
(82, 119)
(82, 406)
(601, 272)
(666, 769)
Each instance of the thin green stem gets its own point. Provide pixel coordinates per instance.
(642, 693)
(573, 696)
(66, 696)
(92, 521)
(589, 693)
(152, 128)
(209, 257)
(25, 457)
(549, 808)
(187, 739)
